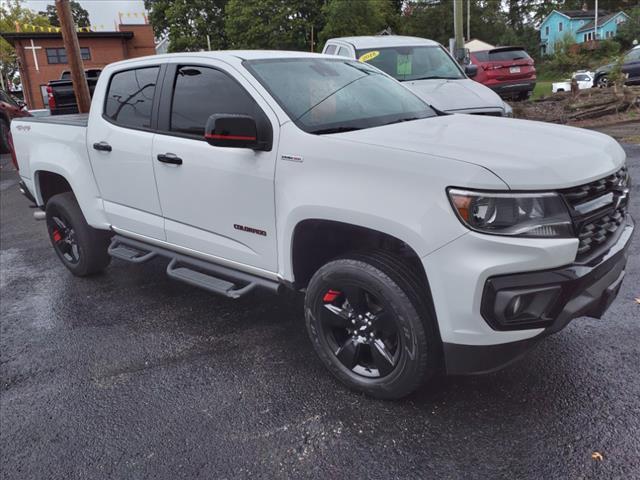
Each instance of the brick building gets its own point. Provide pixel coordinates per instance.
(42, 56)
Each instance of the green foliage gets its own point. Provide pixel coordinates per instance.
(79, 14)
(630, 30)
(272, 24)
(12, 11)
(188, 22)
(358, 17)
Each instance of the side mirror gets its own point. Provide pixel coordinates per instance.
(471, 70)
(236, 131)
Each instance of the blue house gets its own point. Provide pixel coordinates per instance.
(579, 25)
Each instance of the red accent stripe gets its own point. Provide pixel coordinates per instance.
(219, 136)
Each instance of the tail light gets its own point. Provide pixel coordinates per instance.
(12, 150)
(51, 99)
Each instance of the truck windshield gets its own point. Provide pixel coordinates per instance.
(412, 63)
(336, 95)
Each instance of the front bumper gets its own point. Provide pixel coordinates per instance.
(580, 290)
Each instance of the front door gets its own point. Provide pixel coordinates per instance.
(217, 201)
(119, 139)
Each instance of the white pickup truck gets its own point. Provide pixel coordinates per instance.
(424, 242)
(584, 80)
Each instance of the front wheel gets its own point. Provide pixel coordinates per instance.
(81, 248)
(369, 323)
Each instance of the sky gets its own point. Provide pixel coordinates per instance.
(102, 13)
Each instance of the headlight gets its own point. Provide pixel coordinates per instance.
(541, 215)
(508, 111)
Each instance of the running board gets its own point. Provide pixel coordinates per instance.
(207, 275)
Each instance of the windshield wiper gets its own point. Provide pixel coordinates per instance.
(431, 78)
(323, 131)
(400, 120)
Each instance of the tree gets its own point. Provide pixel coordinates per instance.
(358, 17)
(188, 22)
(80, 15)
(630, 30)
(273, 24)
(11, 12)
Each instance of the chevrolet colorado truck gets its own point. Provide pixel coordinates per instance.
(424, 242)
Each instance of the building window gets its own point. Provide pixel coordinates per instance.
(59, 55)
(560, 26)
(585, 37)
(546, 30)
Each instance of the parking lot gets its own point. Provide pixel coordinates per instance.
(132, 375)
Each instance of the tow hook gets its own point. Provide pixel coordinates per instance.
(39, 215)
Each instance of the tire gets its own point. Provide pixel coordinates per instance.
(4, 136)
(603, 81)
(81, 248)
(387, 344)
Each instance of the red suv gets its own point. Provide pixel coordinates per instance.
(508, 71)
(9, 109)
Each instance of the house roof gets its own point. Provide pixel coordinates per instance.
(11, 37)
(601, 22)
(582, 13)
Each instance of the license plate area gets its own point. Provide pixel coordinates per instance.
(514, 69)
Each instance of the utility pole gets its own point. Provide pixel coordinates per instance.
(71, 45)
(468, 20)
(458, 28)
(595, 33)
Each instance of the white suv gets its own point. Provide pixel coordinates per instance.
(426, 68)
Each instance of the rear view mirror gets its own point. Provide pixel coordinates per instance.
(471, 70)
(235, 131)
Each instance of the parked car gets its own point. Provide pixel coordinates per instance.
(584, 79)
(508, 71)
(62, 97)
(426, 68)
(422, 241)
(630, 68)
(9, 109)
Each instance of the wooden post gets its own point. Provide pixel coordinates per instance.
(71, 45)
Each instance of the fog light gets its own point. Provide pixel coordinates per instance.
(514, 307)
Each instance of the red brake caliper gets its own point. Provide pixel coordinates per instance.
(330, 296)
(56, 235)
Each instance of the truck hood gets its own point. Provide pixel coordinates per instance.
(526, 155)
(456, 95)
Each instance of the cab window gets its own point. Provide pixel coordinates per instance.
(200, 92)
(330, 50)
(130, 97)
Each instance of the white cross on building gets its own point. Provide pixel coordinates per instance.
(33, 49)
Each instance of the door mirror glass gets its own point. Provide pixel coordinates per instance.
(235, 131)
(471, 70)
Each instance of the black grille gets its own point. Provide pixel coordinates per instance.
(598, 209)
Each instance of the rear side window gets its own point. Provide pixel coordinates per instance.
(331, 49)
(502, 55)
(130, 97)
(200, 92)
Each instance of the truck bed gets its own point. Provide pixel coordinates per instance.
(75, 120)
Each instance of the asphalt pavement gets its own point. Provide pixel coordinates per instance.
(131, 375)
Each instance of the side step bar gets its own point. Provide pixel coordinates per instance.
(210, 276)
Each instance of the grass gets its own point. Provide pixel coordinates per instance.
(543, 89)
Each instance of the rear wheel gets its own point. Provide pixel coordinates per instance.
(369, 324)
(603, 81)
(81, 248)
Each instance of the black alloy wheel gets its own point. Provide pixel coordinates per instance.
(361, 332)
(63, 238)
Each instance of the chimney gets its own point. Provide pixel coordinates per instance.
(585, 7)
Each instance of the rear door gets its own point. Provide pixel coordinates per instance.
(119, 140)
(218, 201)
